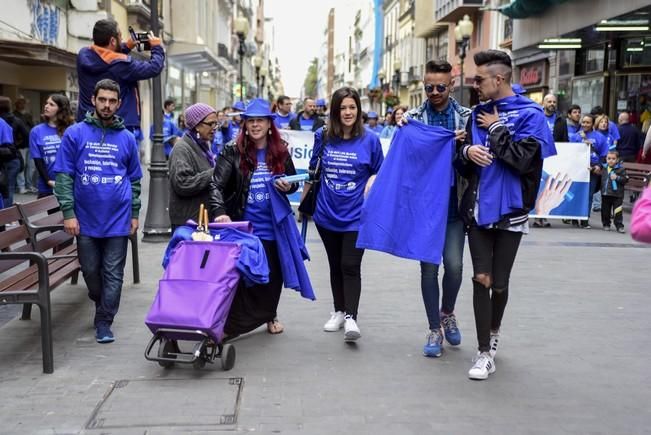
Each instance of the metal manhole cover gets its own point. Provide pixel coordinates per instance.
(200, 403)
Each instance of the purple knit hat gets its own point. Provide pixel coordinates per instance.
(197, 113)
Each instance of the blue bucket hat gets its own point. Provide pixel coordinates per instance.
(372, 115)
(258, 108)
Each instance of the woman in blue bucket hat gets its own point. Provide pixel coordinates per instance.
(241, 190)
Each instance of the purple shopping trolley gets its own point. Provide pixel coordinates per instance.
(192, 304)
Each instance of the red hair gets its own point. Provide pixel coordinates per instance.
(277, 152)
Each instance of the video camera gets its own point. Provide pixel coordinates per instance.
(141, 39)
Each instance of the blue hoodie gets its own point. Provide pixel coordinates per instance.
(96, 63)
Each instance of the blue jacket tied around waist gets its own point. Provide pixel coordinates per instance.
(500, 191)
(405, 213)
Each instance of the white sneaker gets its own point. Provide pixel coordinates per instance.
(495, 339)
(484, 366)
(335, 323)
(351, 330)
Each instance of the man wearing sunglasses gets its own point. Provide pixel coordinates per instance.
(440, 109)
(503, 162)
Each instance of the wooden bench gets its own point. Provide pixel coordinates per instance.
(44, 212)
(638, 177)
(37, 256)
(31, 265)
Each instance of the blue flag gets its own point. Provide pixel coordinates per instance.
(406, 211)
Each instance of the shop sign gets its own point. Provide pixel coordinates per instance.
(532, 74)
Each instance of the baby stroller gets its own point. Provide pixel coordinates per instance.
(192, 304)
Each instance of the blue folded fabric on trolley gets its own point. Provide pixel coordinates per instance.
(405, 213)
(291, 249)
(252, 261)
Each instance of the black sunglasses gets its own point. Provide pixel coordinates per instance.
(441, 87)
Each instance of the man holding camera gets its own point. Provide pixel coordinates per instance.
(108, 58)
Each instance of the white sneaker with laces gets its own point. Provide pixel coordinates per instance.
(351, 330)
(484, 366)
(495, 339)
(335, 323)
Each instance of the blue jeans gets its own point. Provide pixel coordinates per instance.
(102, 264)
(453, 264)
(12, 167)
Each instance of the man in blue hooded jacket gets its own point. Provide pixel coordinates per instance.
(503, 164)
(108, 58)
(98, 187)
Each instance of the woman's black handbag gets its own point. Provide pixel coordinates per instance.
(308, 204)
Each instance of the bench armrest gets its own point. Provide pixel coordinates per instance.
(36, 229)
(41, 263)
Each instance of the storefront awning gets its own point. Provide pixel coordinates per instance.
(26, 53)
(519, 9)
(194, 57)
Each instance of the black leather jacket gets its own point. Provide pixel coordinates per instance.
(229, 188)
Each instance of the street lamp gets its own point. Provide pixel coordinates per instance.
(257, 63)
(263, 75)
(157, 226)
(381, 76)
(462, 33)
(241, 30)
(397, 66)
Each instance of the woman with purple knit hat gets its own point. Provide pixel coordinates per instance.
(191, 165)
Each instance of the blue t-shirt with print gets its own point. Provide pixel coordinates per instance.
(44, 142)
(598, 145)
(551, 120)
(346, 166)
(306, 124)
(258, 207)
(103, 163)
(282, 122)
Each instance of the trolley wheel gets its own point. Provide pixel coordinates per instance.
(199, 363)
(228, 357)
(165, 349)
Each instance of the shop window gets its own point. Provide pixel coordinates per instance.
(635, 52)
(588, 93)
(634, 96)
(590, 60)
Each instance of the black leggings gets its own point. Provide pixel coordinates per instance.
(257, 305)
(493, 253)
(345, 262)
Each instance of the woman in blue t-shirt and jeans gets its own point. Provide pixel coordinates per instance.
(239, 192)
(45, 139)
(350, 159)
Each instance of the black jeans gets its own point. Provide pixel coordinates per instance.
(493, 253)
(611, 206)
(345, 262)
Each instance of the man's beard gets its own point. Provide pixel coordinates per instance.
(103, 117)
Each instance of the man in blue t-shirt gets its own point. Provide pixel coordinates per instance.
(98, 187)
(284, 113)
(372, 124)
(307, 120)
(171, 132)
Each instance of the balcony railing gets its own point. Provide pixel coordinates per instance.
(454, 10)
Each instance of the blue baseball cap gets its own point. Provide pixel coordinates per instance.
(518, 89)
(239, 106)
(321, 102)
(372, 115)
(258, 108)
